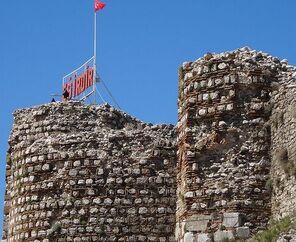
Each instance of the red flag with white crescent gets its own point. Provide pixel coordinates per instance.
(99, 5)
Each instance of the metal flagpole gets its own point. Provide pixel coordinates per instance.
(95, 57)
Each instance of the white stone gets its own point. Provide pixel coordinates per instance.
(73, 172)
(32, 178)
(204, 238)
(188, 237)
(205, 97)
(229, 107)
(143, 210)
(131, 211)
(100, 171)
(222, 124)
(222, 66)
(231, 220)
(243, 232)
(93, 210)
(189, 194)
(108, 201)
(202, 112)
(188, 75)
(197, 223)
(46, 167)
(223, 235)
(161, 210)
(77, 163)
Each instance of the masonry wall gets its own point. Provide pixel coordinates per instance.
(283, 173)
(92, 173)
(223, 147)
(89, 173)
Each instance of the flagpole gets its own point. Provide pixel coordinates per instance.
(95, 57)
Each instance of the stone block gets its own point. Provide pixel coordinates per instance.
(222, 66)
(189, 194)
(204, 238)
(231, 220)
(202, 112)
(243, 232)
(223, 235)
(188, 237)
(179, 230)
(197, 223)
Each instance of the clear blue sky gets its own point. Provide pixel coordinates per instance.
(141, 44)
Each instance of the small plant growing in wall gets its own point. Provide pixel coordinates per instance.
(181, 81)
(269, 185)
(8, 158)
(125, 150)
(210, 64)
(181, 72)
(18, 176)
(222, 227)
(26, 173)
(56, 228)
(102, 231)
(273, 232)
(210, 100)
(83, 220)
(181, 196)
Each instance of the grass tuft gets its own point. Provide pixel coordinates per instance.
(274, 231)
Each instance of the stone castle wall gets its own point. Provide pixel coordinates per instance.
(283, 152)
(92, 173)
(223, 148)
(89, 173)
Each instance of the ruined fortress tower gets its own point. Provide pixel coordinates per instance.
(89, 173)
(80, 172)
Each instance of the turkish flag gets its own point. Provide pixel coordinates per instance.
(99, 5)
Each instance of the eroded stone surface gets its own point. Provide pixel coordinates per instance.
(226, 136)
(93, 173)
(89, 173)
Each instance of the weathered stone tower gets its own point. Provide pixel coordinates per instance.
(89, 173)
(224, 145)
(283, 150)
(80, 172)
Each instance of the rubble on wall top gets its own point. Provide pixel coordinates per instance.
(104, 112)
(74, 121)
(247, 59)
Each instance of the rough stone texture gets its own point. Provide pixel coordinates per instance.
(188, 237)
(232, 220)
(243, 232)
(283, 173)
(93, 173)
(89, 173)
(204, 238)
(223, 235)
(290, 236)
(226, 146)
